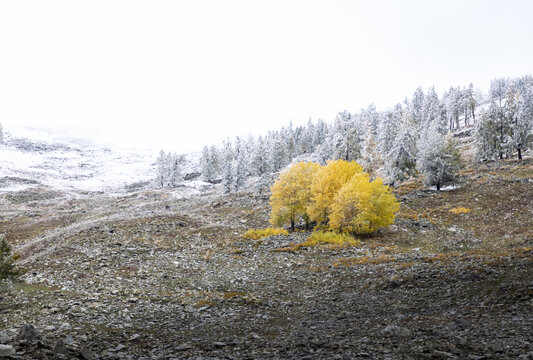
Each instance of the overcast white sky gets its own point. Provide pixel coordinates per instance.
(182, 74)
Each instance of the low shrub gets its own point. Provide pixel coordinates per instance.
(330, 237)
(460, 210)
(257, 234)
(8, 270)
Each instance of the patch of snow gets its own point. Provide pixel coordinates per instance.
(71, 165)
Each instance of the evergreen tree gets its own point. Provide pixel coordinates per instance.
(259, 158)
(175, 176)
(8, 270)
(486, 137)
(400, 162)
(228, 178)
(519, 114)
(417, 105)
(161, 169)
(241, 164)
(438, 159)
(497, 96)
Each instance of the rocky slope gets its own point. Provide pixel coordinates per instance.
(148, 274)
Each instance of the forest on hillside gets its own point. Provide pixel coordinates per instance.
(395, 144)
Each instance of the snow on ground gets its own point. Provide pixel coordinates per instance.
(69, 164)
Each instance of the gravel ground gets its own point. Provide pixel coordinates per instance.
(146, 274)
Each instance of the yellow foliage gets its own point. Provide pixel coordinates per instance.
(291, 194)
(256, 234)
(361, 206)
(329, 237)
(322, 238)
(339, 192)
(326, 183)
(460, 210)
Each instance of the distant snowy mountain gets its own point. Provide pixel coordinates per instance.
(34, 156)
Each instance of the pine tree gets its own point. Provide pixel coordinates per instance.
(227, 167)
(417, 104)
(519, 112)
(175, 176)
(439, 160)
(161, 169)
(388, 130)
(259, 158)
(400, 162)
(497, 94)
(241, 164)
(470, 96)
(8, 270)
(486, 137)
(206, 167)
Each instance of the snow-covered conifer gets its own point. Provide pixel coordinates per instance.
(227, 156)
(417, 104)
(519, 115)
(401, 160)
(161, 169)
(438, 158)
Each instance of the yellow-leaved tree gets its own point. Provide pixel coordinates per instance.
(362, 207)
(326, 183)
(291, 194)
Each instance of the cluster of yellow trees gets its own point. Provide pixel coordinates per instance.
(339, 196)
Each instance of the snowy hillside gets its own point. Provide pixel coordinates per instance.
(29, 157)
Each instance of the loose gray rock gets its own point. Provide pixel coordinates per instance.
(86, 353)
(6, 350)
(69, 340)
(29, 333)
(396, 331)
(60, 348)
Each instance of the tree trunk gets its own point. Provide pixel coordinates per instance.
(519, 154)
(438, 186)
(292, 224)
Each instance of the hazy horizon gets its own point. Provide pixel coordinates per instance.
(181, 75)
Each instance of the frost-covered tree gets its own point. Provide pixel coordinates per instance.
(259, 158)
(519, 115)
(241, 164)
(388, 129)
(346, 137)
(497, 96)
(277, 148)
(417, 104)
(161, 170)
(228, 177)
(321, 132)
(1, 134)
(438, 158)
(210, 164)
(433, 113)
(486, 137)
(400, 162)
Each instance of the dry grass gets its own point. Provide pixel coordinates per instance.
(460, 210)
(258, 234)
(329, 239)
